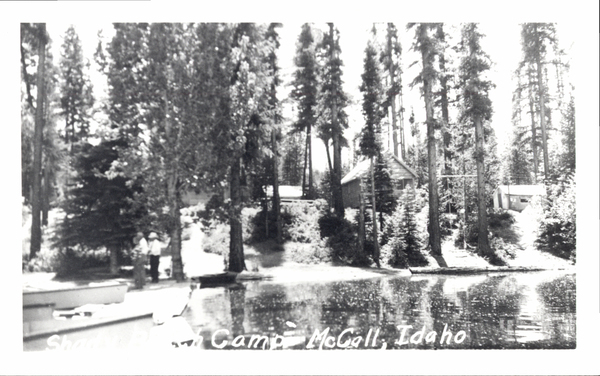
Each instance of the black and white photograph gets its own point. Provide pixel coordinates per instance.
(303, 188)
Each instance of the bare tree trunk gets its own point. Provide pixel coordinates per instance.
(36, 230)
(374, 212)
(276, 199)
(482, 239)
(236, 245)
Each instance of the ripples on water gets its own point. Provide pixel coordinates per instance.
(516, 310)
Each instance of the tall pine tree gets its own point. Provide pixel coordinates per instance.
(476, 108)
(426, 44)
(304, 93)
(373, 113)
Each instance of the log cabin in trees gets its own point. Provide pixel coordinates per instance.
(356, 180)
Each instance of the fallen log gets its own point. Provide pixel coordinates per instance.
(473, 270)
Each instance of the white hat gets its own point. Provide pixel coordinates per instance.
(153, 235)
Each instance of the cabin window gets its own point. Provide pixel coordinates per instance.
(524, 200)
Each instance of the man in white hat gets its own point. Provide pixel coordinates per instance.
(154, 252)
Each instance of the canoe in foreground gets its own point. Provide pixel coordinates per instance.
(77, 296)
(215, 279)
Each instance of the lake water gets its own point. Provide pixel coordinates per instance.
(494, 311)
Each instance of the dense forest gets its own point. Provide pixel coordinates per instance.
(199, 108)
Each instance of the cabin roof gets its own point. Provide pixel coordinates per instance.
(364, 165)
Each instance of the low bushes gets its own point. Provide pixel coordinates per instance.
(558, 227)
(341, 236)
(69, 262)
(304, 226)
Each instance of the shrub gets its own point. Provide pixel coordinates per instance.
(259, 230)
(557, 233)
(341, 236)
(44, 261)
(216, 238)
(313, 253)
(329, 224)
(70, 262)
(498, 219)
(304, 226)
(403, 247)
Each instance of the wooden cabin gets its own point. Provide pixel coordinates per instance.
(516, 197)
(356, 180)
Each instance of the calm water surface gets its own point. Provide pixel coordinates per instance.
(515, 310)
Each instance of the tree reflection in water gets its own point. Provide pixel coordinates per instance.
(516, 310)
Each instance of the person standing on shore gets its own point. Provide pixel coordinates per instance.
(154, 252)
(140, 251)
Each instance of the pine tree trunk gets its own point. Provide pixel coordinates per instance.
(304, 193)
(361, 221)
(446, 136)
(533, 138)
(394, 120)
(36, 230)
(401, 128)
(482, 239)
(374, 212)
(276, 199)
(175, 230)
(172, 194)
(542, 101)
(114, 261)
(326, 142)
(311, 193)
(434, 221)
(46, 196)
(236, 245)
(338, 197)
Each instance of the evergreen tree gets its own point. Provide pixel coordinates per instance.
(444, 102)
(536, 39)
(292, 159)
(476, 108)
(568, 156)
(248, 127)
(391, 57)
(373, 113)
(305, 93)
(426, 44)
(417, 152)
(384, 188)
(277, 119)
(76, 98)
(99, 211)
(37, 36)
(332, 116)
